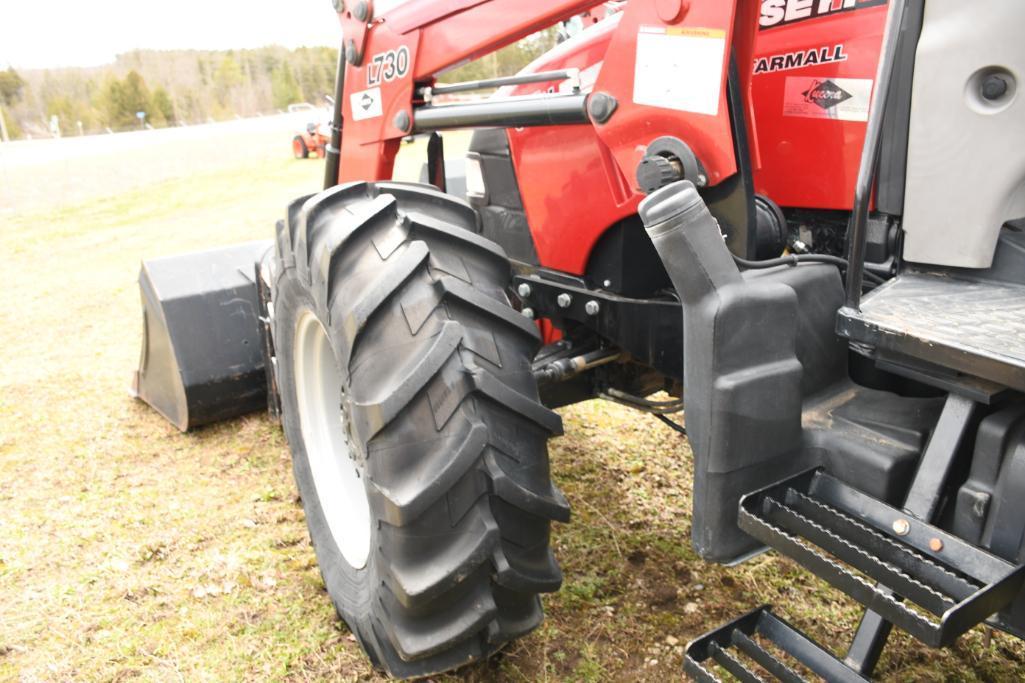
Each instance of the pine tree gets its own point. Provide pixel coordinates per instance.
(121, 100)
(135, 96)
(284, 88)
(163, 108)
(11, 86)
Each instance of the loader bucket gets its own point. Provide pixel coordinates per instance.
(202, 353)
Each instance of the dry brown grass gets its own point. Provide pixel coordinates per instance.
(130, 551)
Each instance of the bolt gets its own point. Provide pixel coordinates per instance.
(601, 106)
(702, 180)
(935, 545)
(361, 11)
(994, 87)
(592, 307)
(402, 121)
(606, 284)
(523, 290)
(901, 527)
(351, 54)
(564, 300)
(671, 11)
(528, 313)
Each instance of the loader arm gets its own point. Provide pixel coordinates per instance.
(386, 55)
(456, 31)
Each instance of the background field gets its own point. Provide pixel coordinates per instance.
(129, 551)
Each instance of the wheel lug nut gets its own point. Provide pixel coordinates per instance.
(592, 307)
(528, 312)
(523, 290)
(564, 300)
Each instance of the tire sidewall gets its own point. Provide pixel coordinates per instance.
(349, 588)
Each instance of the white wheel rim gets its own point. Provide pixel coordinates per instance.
(336, 476)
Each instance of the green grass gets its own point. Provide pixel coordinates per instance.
(129, 551)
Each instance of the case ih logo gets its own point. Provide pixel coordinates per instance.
(782, 12)
(826, 94)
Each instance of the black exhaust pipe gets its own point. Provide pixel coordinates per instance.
(742, 378)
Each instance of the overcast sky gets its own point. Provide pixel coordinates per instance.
(51, 33)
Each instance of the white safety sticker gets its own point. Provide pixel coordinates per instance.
(679, 68)
(843, 99)
(366, 104)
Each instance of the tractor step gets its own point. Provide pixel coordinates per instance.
(760, 643)
(825, 524)
(976, 327)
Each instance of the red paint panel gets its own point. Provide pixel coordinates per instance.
(634, 126)
(812, 162)
(572, 189)
(577, 181)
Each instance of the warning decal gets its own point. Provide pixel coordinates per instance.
(365, 104)
(679, 68)
(843, 99)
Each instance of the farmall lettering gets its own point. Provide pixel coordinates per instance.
(796, 60)
(782, 12)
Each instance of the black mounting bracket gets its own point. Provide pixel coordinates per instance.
(649, 330)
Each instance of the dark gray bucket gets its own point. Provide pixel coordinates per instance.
(202, 352)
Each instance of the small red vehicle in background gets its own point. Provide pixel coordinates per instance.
(312, 140)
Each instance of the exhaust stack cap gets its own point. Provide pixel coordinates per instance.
(667, 203)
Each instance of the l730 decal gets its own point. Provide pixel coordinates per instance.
(387, 66)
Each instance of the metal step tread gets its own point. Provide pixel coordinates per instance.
(726, 646)
(934, 316)
(831, 528)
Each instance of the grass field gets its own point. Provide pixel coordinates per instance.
(129, 551)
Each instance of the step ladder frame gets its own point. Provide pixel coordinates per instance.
(895, 557)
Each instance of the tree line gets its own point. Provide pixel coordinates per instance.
(177, 87)
(185, 87)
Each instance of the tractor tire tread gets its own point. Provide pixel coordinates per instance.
(432, 348)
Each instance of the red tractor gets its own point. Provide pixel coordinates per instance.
(313, 138)
(800, 219)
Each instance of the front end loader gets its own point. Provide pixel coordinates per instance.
(801, 221)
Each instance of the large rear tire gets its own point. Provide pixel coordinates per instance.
(299, 148)
(419, 444)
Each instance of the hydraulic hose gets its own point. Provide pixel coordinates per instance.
(797, 259)
(332, 155)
